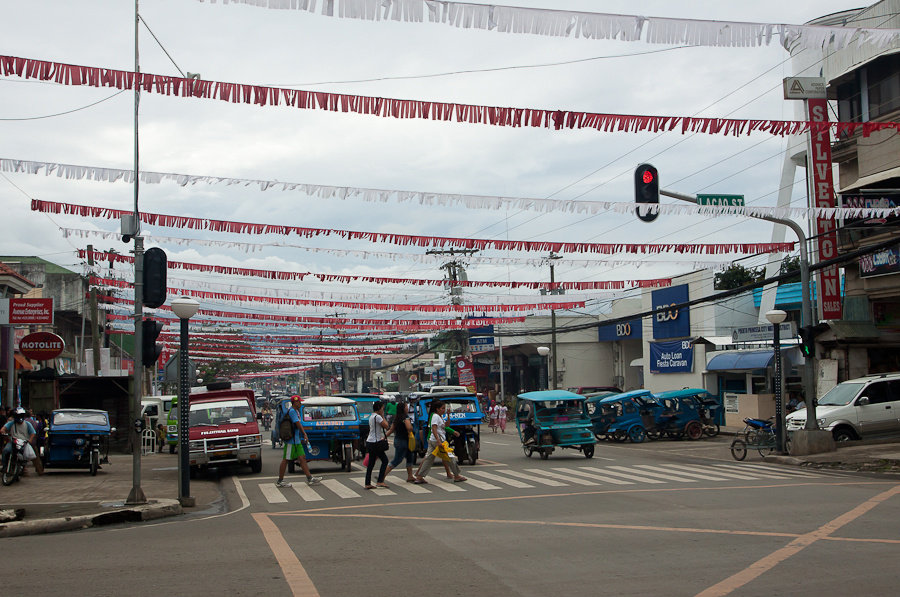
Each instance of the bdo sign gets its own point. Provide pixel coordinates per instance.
(41, 346)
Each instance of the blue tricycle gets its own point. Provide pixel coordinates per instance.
(332, 425)
(551, 419)
(621, 417)
(77, 438)
(463, 415)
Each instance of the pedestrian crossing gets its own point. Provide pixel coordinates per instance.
(485, 479)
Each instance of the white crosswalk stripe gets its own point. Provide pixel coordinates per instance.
(501, 479)
(272, 494)
(341, 491)
(349, 486)
(569, 477)
(600, 477)
(606, 471)
(307, 493)
(692, 474)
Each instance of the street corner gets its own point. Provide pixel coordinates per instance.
(106, 514)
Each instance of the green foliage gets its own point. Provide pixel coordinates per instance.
(788, 265)
(736, 276)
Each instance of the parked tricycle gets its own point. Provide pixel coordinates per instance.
(699, 401)
(332, 425)
(620, 417)
(551, 419)
(463, 415)
(676, 416)
(77, 438)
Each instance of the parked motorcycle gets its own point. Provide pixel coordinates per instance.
(15, 462)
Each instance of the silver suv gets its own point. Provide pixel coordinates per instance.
(857, 408)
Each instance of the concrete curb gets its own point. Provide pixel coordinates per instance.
(153, 510)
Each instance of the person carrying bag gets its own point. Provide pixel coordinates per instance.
(404, 442)
(377, 445)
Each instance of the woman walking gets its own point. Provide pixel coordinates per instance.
(436, 445)
(502, 415)
(492, 417)
(377, 445)
(403, 434)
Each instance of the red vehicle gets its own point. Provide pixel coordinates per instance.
(223, 427)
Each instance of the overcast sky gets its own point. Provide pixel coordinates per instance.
(243, 44)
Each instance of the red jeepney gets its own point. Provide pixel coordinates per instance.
(223, 427)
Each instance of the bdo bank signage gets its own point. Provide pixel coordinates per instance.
(668, 320)
(624, 330)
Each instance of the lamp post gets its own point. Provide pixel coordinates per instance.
(543, 351)
(775, 317)
(184, 308)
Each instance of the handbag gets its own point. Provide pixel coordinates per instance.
(412, 442)
(382, 444)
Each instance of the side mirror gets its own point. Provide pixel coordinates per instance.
(863, 401)
(112, 429)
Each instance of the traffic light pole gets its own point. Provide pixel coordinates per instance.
(806, 313)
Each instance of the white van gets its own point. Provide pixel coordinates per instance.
(434, 389)
(857, 408)
(156, 409)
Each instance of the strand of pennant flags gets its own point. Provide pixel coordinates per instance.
(432, 198)
(588, 25)
(171, 221)
(260, 95)
(346, 279)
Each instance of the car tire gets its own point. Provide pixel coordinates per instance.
(843, 434)
(256, 466)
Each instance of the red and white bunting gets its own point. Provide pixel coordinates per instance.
(261, 95)
(169, 221)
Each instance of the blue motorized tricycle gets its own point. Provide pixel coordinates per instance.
(463, 415)
(551, 419)
(621, 416)
(332, 425)
(77, 438)
(695, 404)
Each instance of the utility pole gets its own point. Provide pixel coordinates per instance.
(554, 381)
(455, 270)
(95, 338)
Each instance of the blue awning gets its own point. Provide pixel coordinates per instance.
(741, 360)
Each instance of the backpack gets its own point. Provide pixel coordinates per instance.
(286, 428)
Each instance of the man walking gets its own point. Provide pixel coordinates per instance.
(293, 450)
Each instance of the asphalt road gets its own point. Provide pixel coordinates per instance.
(666, 518)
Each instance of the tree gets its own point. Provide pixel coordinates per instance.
(736, 276)
(790, 265)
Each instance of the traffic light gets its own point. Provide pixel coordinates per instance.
(155, 265)
(150, 349)
(646, 189)
(807, 342)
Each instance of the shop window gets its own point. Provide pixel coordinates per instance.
(848, 101)
(884, 86)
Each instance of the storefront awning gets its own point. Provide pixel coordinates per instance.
(741, 360)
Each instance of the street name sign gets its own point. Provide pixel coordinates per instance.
(720, 200)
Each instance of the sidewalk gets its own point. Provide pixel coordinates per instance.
(70, 499)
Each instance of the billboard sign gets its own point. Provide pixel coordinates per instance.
(669, 321)
(676, 356)
(624, 330)
(41, 346)
(26, 311)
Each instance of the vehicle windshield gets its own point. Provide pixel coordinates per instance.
(560, 411)
(338, 412)
(840, 394)
(460, 406)
(220, 412)
(365, 408)
(79, 417)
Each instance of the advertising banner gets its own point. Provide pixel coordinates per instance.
(882, 263)
(466, 373)
(828, 283)
(22, 311)
(621, 331)
(671, 322)
(676, 356)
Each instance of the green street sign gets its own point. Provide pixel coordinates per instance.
(721, 200)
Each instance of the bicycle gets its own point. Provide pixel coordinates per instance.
(757, 434)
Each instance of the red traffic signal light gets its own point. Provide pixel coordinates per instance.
(646, 189)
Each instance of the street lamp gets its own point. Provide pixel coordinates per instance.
(544, 351)
(184, 309)
(775, 317)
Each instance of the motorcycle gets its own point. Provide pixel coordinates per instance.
(14, 465)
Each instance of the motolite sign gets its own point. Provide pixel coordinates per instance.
(26, 311)
(829, 284)
(41, 346)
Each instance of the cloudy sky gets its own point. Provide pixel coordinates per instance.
(46, 122)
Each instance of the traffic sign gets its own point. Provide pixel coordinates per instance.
(721, 200)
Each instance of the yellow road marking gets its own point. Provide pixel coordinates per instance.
(763, 565)
(294, 573)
